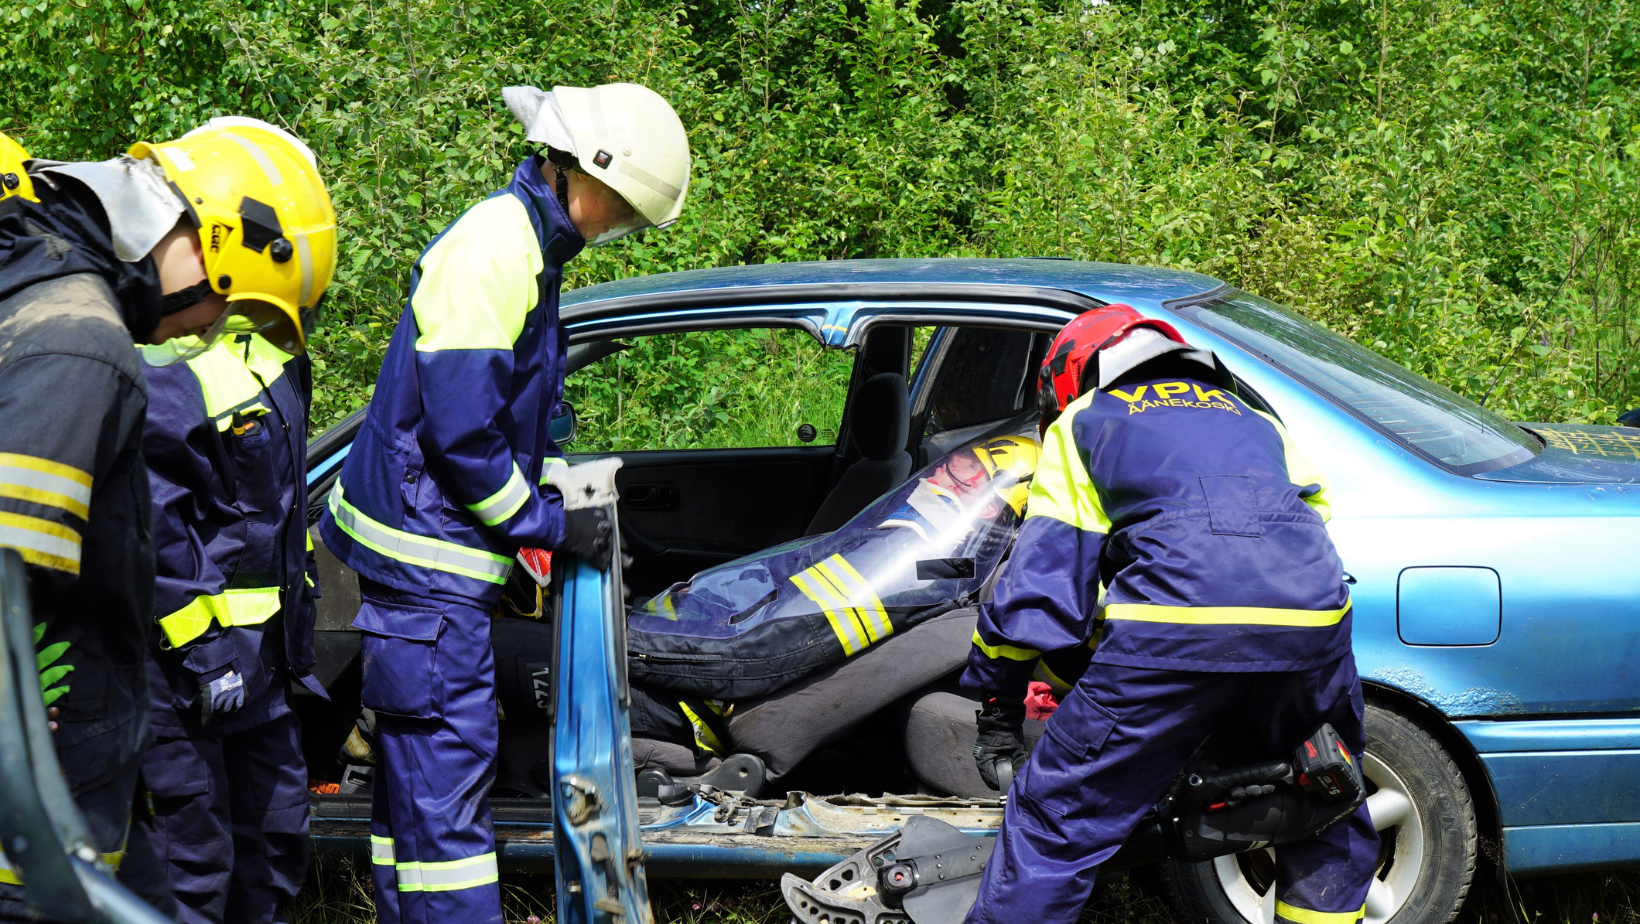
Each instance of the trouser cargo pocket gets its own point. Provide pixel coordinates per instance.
(400, 653)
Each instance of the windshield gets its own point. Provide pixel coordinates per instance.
(1437, 422)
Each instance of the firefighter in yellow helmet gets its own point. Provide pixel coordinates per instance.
(14, 160)
(236, 583)
(171, 246)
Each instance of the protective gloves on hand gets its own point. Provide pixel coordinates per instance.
(1001, 737)
(587, 534)
(221, 696)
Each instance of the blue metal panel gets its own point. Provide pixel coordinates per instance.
(1449, 606)
(707, 861)
(1562, 735)
(1565, 787)
(595, 802)
(324, 468)
(1109, 282)
(1571, 848)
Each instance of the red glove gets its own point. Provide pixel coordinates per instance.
(538, 562)
(1040, 702)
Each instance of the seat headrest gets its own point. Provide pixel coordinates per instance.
(880, 417)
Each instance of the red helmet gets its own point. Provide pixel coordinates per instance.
(1089, 332)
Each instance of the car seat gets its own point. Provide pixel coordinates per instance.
(879, 420)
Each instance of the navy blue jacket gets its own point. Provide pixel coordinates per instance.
(226, 444)
(73, 494)
(446, 478)
(1174, 527)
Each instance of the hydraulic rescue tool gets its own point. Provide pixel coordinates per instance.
(928, 871)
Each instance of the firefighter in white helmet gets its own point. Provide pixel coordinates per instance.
(170, 245)
(450, 475)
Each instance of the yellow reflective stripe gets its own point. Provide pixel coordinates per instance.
(41, 542)
(1061, 487)
(420, 551)
(239, 607)
(849, 633)
(447, 875)
(866, 599)
(1010, 652)
(381, 850)
(1045, 674)
(42, 481)
(309, 538)
(835, 585)
(230, 383)
(547, 462)
(1226, 615)
(504, 503)
(48, 467)
(1301, 471)
(1305, 916)
(704, 736)
(478, 281)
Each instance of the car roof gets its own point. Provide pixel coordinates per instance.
(1104, 282)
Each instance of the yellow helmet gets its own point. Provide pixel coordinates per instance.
(1011, 456)
(14, 179)
(266, 225)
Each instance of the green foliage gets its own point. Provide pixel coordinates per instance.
(710, 390)
(1447, 181)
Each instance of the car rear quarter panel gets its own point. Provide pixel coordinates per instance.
(1552, 706)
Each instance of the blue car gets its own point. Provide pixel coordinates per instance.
(1496, 637)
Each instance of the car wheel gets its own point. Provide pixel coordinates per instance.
(1426, 825)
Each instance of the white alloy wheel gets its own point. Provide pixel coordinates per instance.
(1425, 818)
(1249, 878)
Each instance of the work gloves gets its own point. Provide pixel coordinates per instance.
(587, 534)
(214, 662)
(221, 697)
(1001, 737)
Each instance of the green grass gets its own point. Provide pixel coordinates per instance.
(338, 892)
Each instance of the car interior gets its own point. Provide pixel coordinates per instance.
(887, 721)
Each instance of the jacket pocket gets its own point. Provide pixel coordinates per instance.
(1232, 505)
(250, 446)
(1056, 777)
(400, 652)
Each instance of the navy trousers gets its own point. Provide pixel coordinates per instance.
(230, 821)
(1118, 741)
(429, 674)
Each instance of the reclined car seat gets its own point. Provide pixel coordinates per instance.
(788, 726)
(879, 420)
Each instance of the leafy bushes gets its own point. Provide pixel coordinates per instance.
(1448, 181)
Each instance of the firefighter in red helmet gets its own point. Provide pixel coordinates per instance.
(1176, 530)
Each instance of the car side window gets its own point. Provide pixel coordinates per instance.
(985, 375)
(719, 389)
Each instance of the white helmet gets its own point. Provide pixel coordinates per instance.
(623, 134)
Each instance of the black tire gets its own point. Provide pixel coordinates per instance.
(1445, 819)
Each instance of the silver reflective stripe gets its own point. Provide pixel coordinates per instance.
(258, 155)
(505, 502)
(547, 466)
(76, 493)
(417, 550)
(381, 850)
(650, 180)
(448, 875)
(306, 256)
(29, 540)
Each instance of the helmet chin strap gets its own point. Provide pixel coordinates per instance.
(183, 299)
